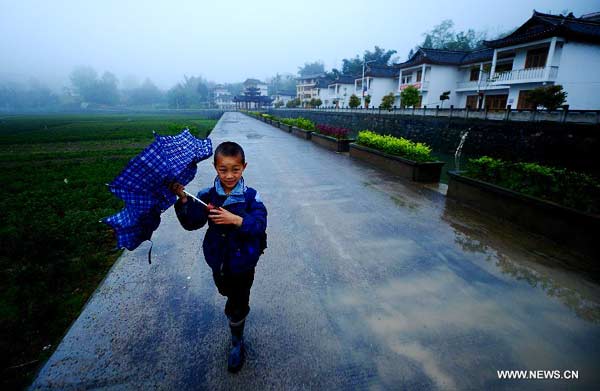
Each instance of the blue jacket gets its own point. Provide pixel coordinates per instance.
(227, 246)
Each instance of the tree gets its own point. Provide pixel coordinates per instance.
(409, 97)
(91, 89)
(354, 101)
(367, 99)
(311, 68)
(387, 102)
(550, 97)
(278, 104)
(444, 96)
(293, 103)
(147, 93)
(315, 102)
(443, 36)
(379, 56)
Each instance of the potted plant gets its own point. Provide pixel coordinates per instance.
(398, 155)
(332, 137)
(560, 204)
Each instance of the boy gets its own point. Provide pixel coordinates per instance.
(235, 239)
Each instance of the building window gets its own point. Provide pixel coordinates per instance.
(536, 58)
(504, 67)
(474, 74)
(472, 102)
(496, 102)
(419, 75)
(407, 79)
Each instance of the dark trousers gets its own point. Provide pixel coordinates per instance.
(236, 287)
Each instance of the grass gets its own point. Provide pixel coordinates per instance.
(53, 251)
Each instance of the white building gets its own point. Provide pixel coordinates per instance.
(545, 50)
(222, 98)
(380, 80)
(550, 49)
(254, 83)
(313, 86)
(283, 96)
(340, 90)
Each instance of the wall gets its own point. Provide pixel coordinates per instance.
(561, 144)
(380, 87)
(441, 78)
(579, 74)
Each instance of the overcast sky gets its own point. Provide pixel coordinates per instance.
(228, 41)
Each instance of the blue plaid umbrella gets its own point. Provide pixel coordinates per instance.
(144, 185)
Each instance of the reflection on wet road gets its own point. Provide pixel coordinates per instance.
(368, 282)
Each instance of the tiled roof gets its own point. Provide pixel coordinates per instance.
(541, 26)
(380, 71)
(314, 76)
(446, 57)
(344, 79)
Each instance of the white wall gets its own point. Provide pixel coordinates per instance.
(380, 87)
(579, 74)
(441, 78)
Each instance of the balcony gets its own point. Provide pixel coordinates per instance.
(422, 86)
(526, 75)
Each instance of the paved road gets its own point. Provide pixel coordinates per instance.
(368, 282)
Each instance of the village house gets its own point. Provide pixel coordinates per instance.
(340, 90)
(283, 97)
(222, 97)
(545, 50)
(379, 81)
(313, 87)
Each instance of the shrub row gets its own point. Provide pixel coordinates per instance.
(397, 146)
(572, 189)
(299, 122)
(333, 131)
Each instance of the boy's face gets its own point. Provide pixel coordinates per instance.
(230, 170)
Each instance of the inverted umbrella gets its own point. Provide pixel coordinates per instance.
(144, 185)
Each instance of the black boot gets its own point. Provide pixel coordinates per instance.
(237, 353)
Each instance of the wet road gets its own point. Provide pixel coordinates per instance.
(368, 282)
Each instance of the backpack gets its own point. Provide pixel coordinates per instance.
(249, 196)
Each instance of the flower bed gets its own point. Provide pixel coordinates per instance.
(397, 155)
(571, 227)
(571, 189)
(332, 137)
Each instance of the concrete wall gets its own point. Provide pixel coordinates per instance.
(579, 74)
(441, 78)
(380, 87)
(561, 144)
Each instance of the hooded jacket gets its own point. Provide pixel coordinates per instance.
(226, 246)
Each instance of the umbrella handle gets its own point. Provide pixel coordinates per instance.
(195, 198)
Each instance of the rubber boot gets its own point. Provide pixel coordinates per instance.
(235, 361)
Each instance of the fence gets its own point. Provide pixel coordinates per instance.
(508, 114)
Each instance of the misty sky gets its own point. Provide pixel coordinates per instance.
(229, 41)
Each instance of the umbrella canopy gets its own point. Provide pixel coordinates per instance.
(144, 184)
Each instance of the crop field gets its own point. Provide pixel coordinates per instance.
(53, 250)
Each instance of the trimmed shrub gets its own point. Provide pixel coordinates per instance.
(299, 122)
(397, 146)
(568, 188)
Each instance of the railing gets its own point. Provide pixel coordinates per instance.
(571, 116)
(418, 85)
(474, 84)
(525, 74)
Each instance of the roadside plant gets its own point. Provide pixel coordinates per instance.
(333, 131)
(569, 188)
(550, 97)
(397, 146)
(409, 97)
(354, 101)
(367, 101)
(387, 102)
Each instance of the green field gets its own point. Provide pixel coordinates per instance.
(53, 250)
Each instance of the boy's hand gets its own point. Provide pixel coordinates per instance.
(178, 189)
(223, 216)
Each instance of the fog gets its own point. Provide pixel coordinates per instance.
(228, 41)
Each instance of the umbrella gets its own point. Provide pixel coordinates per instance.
(144, 185)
